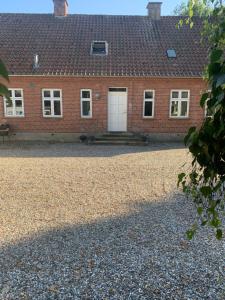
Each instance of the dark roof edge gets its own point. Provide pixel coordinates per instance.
(112, 76)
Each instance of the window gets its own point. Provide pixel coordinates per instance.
(86, 103)
(99, 48)
(171, 53)
(52, 103)
(119, 90)
(14, 107)
(148, 107)
(179, 103)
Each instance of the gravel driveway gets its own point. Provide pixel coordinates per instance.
(101, 222)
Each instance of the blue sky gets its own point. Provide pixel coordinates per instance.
(132, 7)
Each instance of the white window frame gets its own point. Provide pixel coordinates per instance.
(153, 104)
(106, 48)
(52, 99)
(180, 100)
(13, 99)
(85, 99)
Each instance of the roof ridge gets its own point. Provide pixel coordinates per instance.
(94, 15)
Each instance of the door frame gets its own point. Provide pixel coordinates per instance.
(116, 87)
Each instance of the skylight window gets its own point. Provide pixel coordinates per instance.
(99, 48)
(171, 53)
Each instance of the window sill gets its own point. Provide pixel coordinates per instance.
(52, 117)
(147, 118)
(87, 118)
(179, 118)
(12, 117)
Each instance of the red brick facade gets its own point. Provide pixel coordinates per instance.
(71, 121)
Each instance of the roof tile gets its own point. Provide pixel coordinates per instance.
(137, 45)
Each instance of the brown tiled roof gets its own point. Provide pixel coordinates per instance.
(137, 45)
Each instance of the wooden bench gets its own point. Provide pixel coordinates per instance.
(4, 131)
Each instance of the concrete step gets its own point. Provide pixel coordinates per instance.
(119, 139)
(120, 142)
(118, 134)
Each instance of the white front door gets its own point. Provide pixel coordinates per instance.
(117, 111)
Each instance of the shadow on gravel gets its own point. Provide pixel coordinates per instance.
(26, 149)
(143, 255)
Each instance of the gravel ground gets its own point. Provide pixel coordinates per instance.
(101, 222)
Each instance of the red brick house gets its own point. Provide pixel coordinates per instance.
(76, 74)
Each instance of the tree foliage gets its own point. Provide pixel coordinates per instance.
(4, 77)
(201, 8)
(205, 183)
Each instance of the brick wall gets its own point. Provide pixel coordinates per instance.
(71, 122)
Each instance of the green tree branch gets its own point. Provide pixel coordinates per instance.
(205, 183)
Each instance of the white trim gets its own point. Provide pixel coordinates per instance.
(52, 99)
(153, 105)
(179, 100)
(85, 99)
(13, 99)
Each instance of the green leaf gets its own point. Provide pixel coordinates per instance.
(190, 132)
(204, 222)
(180, 24)
(204, 97)
(206, 191)
(180, 178)
(3, 71)
(4, 91)
(190, 234)
(220, 81)
(216, 55)
(215, 221)
(219, 234)
(200, 210)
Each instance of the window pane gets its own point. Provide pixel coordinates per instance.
(57, 108)
(10, 93)
(99, 48)
(47, 94)
(18, 108)
(56, 94)
(18, 103)
(86, 94)
(175, 94)
(47, 108)
(9, 107)
(184, 95)
(148, 95)
(117, 89)
(8, 103)
(171, 53)
(19, 111)
(148, 109)
(9, 111)
(86, 108)
(18, 93)
(174, 108)
(184, 108)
